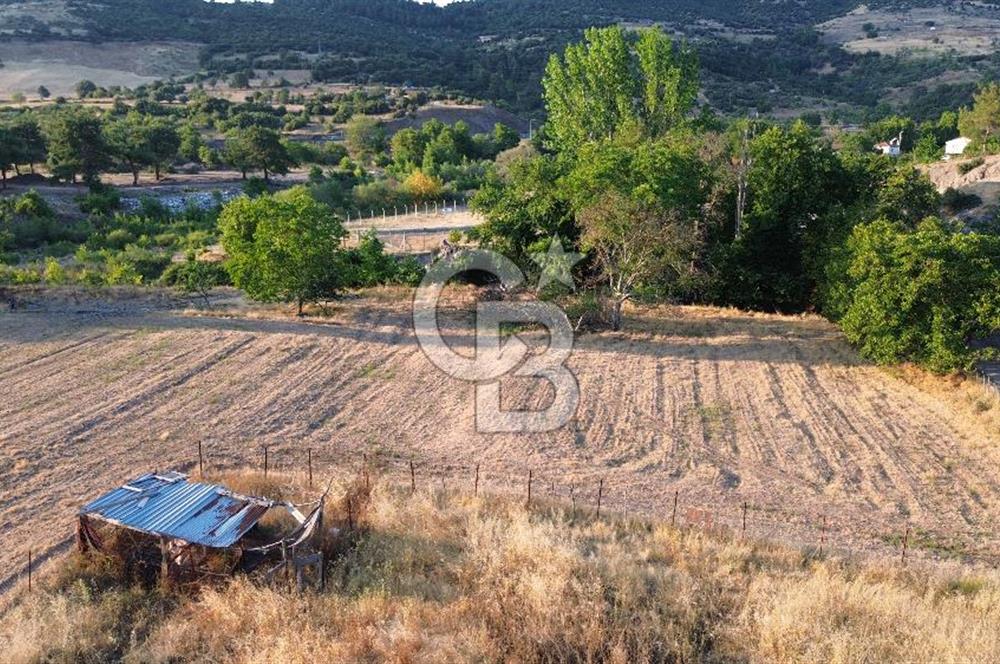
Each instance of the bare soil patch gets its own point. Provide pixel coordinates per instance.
(479, 118)
(967, 28)
(983, 180)
(60, 65)
(720, 406)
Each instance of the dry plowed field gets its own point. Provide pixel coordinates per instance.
(721, 407)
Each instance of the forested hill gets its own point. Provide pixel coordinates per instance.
(755, 53)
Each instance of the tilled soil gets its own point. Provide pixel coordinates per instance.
(717, 408)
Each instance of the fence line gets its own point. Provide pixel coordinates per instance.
(821, 532)
(596, 499)
(439, 208)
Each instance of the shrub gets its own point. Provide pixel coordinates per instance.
(32, 204)
(152, 208)
(196, 277)
(255, 187)
(54, 272)
(966, 167)
(121, 272)
(118, 239)
(954, 201)
(921, 295)
(101, 201)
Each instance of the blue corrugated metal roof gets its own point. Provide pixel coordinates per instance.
(168, 505)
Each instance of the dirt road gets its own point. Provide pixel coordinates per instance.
(719, 406)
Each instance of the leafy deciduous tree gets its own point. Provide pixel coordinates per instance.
(633, 242)
(284, 247)
(603, 85)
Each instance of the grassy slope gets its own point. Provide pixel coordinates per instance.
(448, 577)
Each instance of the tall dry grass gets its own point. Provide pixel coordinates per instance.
(445, 577)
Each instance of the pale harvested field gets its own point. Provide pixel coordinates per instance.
(720, 406)
(60, 65)
(968, 28)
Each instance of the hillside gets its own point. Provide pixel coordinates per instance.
(445, 576)
(769, 56)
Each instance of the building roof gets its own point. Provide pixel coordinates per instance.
(167, 505)
(959, 143)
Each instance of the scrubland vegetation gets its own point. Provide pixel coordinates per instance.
(444, 576)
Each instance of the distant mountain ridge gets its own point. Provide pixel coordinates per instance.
(754, 53)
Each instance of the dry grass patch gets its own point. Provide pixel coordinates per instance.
(441, 577)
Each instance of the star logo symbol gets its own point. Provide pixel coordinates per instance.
(557, 265)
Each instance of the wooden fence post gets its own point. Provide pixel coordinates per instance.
(201, 462)
(822, 534)
(527, 504)
(29, 570)
(673, 514)
(476, 490)
(600, 494)
(413, 479)
(350, 513)
(906, 541)
(265, 461)
(744, 533)
(309, 462)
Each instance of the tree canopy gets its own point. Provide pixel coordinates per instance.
(607, 84)
(284, 247)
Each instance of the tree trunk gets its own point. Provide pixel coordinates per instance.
(4, 172)
(616, 313)
(300, 306)
(265, 175)
(135, 177)
(17, 169)
(156, 172)
(244, 173)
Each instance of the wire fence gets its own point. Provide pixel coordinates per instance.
(832, 531)
(596, 497)
(427, 209)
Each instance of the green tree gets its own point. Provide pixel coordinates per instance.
(504, 138)
(257, 148)
(284, 247)
(908, 197)
(195, 277)
(76, 145)
(603, 85)
(633, 243)
(981, 122)
(921, 295)
(164, 142)
(29, 140)
(8, 153)
(191, 143)
(365, 137)
(407, 147)
(43, 92)
(667, 172)
(524, 207)
(128, 141)
(85, 89)
(795, 186)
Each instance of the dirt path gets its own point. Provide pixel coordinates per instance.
(721, 407)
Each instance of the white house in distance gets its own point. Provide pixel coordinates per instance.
(892, 148)
(956, 147)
